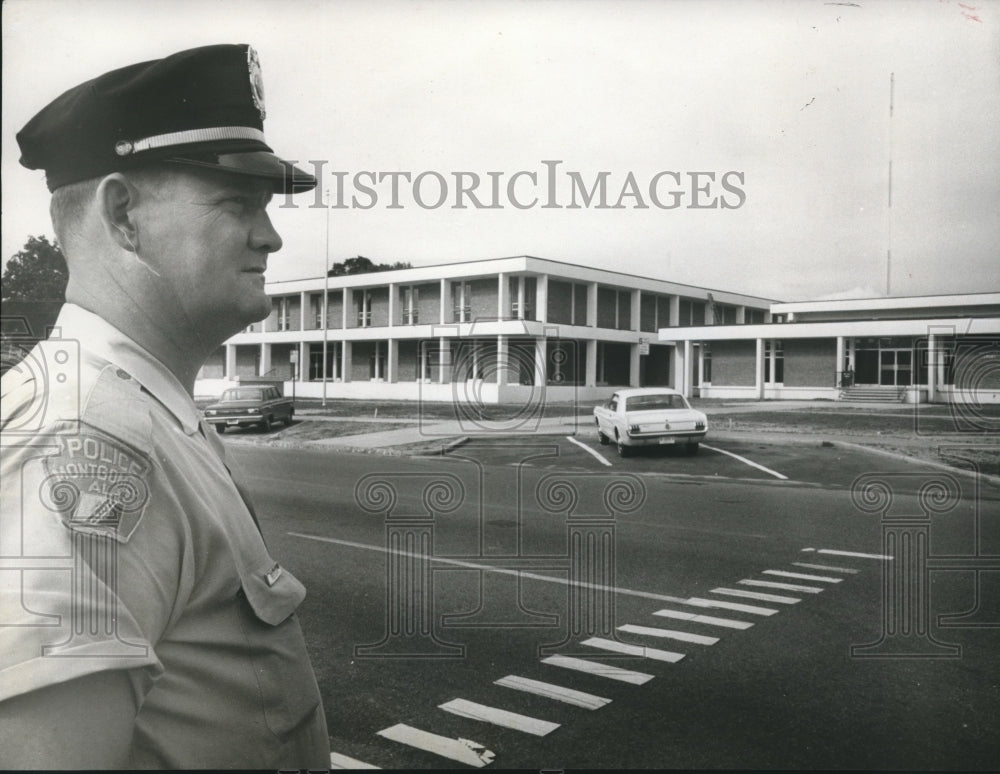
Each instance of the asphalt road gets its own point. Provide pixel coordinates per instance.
(430, 579)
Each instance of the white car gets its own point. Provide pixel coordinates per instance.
(649, 416)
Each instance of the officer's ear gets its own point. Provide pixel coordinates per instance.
(117, 197)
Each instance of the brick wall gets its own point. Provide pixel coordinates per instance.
(247, 359)
(810, 362)
(733, 363)
(408, 361)
(483, 304)
(361, 358)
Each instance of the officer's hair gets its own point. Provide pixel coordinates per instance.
(70, 202)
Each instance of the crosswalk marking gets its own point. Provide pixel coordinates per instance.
(499, 717)
(834, 552)
(670, 634)
(557, 692)
(597, 668)
(461, 750)
(827, 567)
(756, 595)
(785, 586)
(338, 761)
(735, 606)
(640, 651)
(803, 576)
(729, 623)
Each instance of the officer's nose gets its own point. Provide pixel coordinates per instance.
(263, 236)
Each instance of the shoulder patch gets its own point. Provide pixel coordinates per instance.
(97, 484)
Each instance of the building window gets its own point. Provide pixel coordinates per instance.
(753, 316)
(284, 314)
(461, 301)
(724, 314)
(690, 313)
(774, 362)
(706, 363)
(409, 296)
(363, 305)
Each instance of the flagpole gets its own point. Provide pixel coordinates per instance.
(326, 294)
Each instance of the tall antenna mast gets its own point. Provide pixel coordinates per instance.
(888, 251)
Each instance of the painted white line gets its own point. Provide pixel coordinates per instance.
(755, 595)
(499, 717)
(729, 623)
(833, 552)
(802, 576)
(720, 605)
(744, 460)
(462, 750)
(670, 634)
(557, 692)
(599, 669)
(783, 586)
(601, 458)
(827, 567)
(498, 570)
(338, 761)
(633, 650)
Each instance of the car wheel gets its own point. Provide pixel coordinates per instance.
(602, 438)
(692, 449)
(267, 424)
(623, 450)
(288, 419)
(220, 429)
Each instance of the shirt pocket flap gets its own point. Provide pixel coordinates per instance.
(273, 593)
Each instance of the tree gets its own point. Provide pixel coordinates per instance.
(362, 265)
(36, 273)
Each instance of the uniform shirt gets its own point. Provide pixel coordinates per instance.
(125, 544)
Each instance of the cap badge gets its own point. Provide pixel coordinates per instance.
(256, 81)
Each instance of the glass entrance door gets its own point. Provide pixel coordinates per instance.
(896, 367)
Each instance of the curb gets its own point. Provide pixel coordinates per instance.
(918, 461)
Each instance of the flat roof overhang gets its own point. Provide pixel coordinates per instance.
(964, 326)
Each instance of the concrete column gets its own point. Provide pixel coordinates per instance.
(686, 377)
(931, 367)
(635, 320)
(230, 361)
(759, 370)
(392, 361)
(503, 356)
(393, 302)
(541, 352)
(503, 300)
(838, 379)
(675, 311)
(344, 308)
(591, 372)
(303, 306)
(542, 298)
(592, 305)
(445, 301)
(345, 361)
(633, 365)
(741, 315)
(520, 297)
(265, 359)
(444, 360)
(303, 361)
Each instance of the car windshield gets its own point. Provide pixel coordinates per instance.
(244, 394)
(655, 402)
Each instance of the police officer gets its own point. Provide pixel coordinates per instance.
(144, 622)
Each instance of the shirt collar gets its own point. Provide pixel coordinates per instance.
(100, 337)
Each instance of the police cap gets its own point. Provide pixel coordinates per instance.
(202, 107)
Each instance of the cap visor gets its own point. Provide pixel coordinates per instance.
(287, 177)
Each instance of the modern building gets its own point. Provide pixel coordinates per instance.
(939, 349)
(482, 331)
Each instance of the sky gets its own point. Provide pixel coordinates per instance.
(772, 116)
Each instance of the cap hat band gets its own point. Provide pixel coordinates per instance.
(211, 134)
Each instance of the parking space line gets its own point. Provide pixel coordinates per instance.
(670, 634)
(641, 651)
(826, 567)
(557, 692)
(599, 669)
(729, 623)
(785, 586)
(499, 717)
(744, 460)
(338, 761)
(802, 576)
(756, 595)
(600, 457)
(461, 750)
